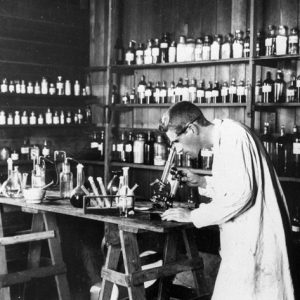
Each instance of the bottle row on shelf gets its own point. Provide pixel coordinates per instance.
(284, 150)
(44, 87)
(277, 91)
(165, 50)
(185, 90)
(47, 117)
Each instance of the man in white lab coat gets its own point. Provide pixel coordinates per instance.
(247, 204)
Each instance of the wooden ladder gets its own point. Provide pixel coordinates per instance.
(44, 227)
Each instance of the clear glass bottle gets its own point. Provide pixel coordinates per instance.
(141, 88)
(206, 51)
(76, 88)
(172, 52)
(4, 86)
(46, 149)
(206, 158)
(225, 92)
(23, 87)
(148, 53)
(11, 87)
(226, 49)
(208, 93)
(126, 198)
(24, 118)
(201, 92)
(18, 86)
(149, 93)
(48, 117)
(164, 48)
(270, 41)
(2, 117)
(138, 149)
(37, 88)
(17, 118)
(29, 89)
(10, 119)
(52, 89)
(281, 41)
(293, 42)
(77, 194)
(181, 48)
(160, 151)
(59, 86)
(216, 47)
(198, 49)
(32, 118)
(40, 120)
(44, 86)
(66, 180)
(140, 54)
(238, 44)
(68, 88)
(190, 49)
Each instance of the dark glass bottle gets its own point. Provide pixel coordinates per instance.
(178, 91)
(129, 149)
(101, 145)
(295, 223)
(156, 92)
(141, 89)
(267, 139)
(279, 88)
(283, 147)
(208, 93)
(296, 152)
(149, 93)
(119, 52)
(268, 89)
(163, 93)
(215, 93)
(291, 91)
(201, 92)
(130, 54)
(247, 44)
(155, 51)
(225, 92)
(270, 41)
(164, 48)
(232, 92)
(258, 91)
(260, 44)
(24, 151)
(149, 150)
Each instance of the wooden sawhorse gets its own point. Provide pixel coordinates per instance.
(44, 227)
(124, 240)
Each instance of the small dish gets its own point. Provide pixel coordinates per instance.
(33, 195)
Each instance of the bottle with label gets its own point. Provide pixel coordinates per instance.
(46, 149)
(40, 120)
(126, 197)
(225, 92)
(121, 148)
(185, 90)
(155, 52)
(140, 54)
(44, 86)
(138, 149)
(76, 88)
(201, 92)
(156, 93)
(17, 118)
(55, 120)
(172, 52)
(149, 93)
(190, 49)
(149, 150)
(293, 42)
(2, 117)
(68, 88)
(179, 91)
(23, 87)
(148, 53)
(208, 93)
(125, 99)
(18, 86)
(119, 52)
(241, 92)
(59, 86)
(80, 116)
(163, 93)
(52, 89)
(216, 47)
(77, 194)
(198, 49)
(66, 180)
(171, 92)
(34, 152)
(247, 44)
(11, 87)
(128, 148)
(268, 89)
(37, 88)
(29, 88)
(180, 50)
(267, 139)
(164, 48)
(4, 86)
(296, 151)
(160, 151)
(10, 119)
(295, 223)
(215, 93)
(193, 91)
(141, 88)
(14, 155)
(291, 91)
(238, 44)
(130, 54)
(226, 49)
(206, 51)
(48, 117)
(132, 96)
(281, 41)
(24, 118)
(232, 91)
(283, 153)
(206, 158)
(279, 88)
(32, 119)
(270, 41)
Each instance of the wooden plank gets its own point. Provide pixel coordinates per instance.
(132, 263)
(115, 277)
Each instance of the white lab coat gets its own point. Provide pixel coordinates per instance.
(250, 209)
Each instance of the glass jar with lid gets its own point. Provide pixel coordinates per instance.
(206, 48)
(293, 43)
(139, 54)
(190, 49)
(138, 149)
(198, 49)
(160, 151)
(238, 44)
(181, 48)
(216, 47)
(281, 40)
(148, 53)
(172, 52)
(226, 49)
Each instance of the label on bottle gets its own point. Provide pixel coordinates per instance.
(225, 52)
(293, 39)
(148, 93)
(296, 148)
(295, 228)
(4, 88)
(128, 148)
(215, 51)
(94, 145)
(267, 88)
(129, 56)
(206, 53)
(46, 151)
(290, 92)
(268, 42)
(155, 51)
(257, 90)
(15, 156)
(208, 94)
(24, 120)
(215, 93)
(148, 59)
(200, 93)
(232, 90)
(237, 50)
(163, 93)
(172, 54)
(178, 91)
(120, 147)
(198, 53)
(164, 45)
(32, 120)
(141, 88)
(224, 91)
(24, 150)
(281, 45)
(240, 91)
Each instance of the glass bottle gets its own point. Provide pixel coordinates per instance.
(52, 89)
(172, 52)
(193, 91)
(226, 49)
(121, 148)
(48, 117)
(66, 180)
(76, 88)
(208, 93)
(296, 151)
(279, 88)
(291, 91)
(171, 93)
(37, 88)
(2, 117)
(77, 194)
(18, 86)
(138, 149)
(141, 88)
(149, 93)
(126, 198)
(283, 152)
(215, 93)
(29, 88)
(148, 53)
(267, 139)
(11, 87)
(201, 92)
(44, 86)
(17, 118)
(62, 117)
(160, 151)
(149, 150)
(179, 91)
(295, 223)
(270, 41)
(40, 119)
(156, 92)
(59, 86)
(185, 90)
(238, 44)
(260, 44)
(241, 92)
(101, 145)
(12, 186)
(164, 48)
(163, 93)
(119, 51)
(24, 151)
(198, 49)
(225, 92)
(140, 54)
(206, 48)
(132, 96)
(4, 86)
(32, 119)
(247, 44)
(55, 120)
(258, 91)
(206, 156)
(232, 91)
(293, 42)
(180, 51)
(46, 149)
(68, 88)
(216, 47)
(155, 52)
(128, 148)
(24, 118)
(190, 49)
(130, 54)
(268, 89)
(69, 118)
(10, 119)
(281, 41)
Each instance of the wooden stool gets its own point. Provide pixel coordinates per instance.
(124, 239)
(44, 227)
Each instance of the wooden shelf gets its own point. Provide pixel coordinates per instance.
(162, 105)
(9, 100)
(131, 68)
(92, 162)
(273, 60)
(47, 126)
(289, 179)
(270, 106)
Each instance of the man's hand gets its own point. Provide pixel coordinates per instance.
(192, 179)
(177, 214)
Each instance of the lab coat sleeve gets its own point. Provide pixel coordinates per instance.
(234, 184)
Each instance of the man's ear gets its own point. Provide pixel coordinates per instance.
(195, 128)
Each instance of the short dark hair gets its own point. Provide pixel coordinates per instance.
(180, 114)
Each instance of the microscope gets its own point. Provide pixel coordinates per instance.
(164, 189)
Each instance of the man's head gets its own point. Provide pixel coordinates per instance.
(186, 128)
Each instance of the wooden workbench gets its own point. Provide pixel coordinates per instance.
(121, 238)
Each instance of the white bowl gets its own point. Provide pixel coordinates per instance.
(33, 195)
